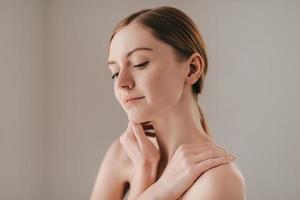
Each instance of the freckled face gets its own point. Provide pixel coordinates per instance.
(152, 73)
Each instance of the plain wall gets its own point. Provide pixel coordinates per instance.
(59, 113)
(22, 93)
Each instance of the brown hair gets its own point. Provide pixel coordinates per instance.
(174, 27)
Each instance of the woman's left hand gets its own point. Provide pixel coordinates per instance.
(144, 155)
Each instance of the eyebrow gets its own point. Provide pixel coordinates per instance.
(131, 52)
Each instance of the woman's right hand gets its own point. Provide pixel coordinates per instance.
(187, 164)
(143, 154)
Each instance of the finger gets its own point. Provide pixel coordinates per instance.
(211, 163)
(139, 134)
(129, 142)
(126, 145)
(192, 149)
(195, 145)
(205, 155)
(147, 122)
(132, 142)
(131, 136)
(196, 149)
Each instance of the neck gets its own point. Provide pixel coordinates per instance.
(180, 125)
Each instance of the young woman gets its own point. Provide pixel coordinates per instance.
(158, 61)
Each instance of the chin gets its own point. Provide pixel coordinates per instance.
(138, 117)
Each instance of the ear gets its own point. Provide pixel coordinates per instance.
(195, 68)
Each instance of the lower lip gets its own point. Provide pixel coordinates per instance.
(133, 101)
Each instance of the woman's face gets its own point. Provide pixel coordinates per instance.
(144, 68)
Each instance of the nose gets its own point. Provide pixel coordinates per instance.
(124, 80)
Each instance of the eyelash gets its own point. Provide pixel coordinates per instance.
(137, 66)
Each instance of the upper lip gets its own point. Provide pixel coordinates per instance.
(129, 98)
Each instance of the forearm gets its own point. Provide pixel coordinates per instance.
(143, 178)
(156, 191)
(139, 185)
(145, 187)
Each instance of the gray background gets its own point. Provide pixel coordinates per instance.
(58, 113)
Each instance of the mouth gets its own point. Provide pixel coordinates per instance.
(133, 100)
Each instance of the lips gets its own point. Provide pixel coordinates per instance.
(129, 99)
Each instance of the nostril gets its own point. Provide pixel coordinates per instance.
(127, 86)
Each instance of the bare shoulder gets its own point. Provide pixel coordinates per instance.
(113, 174)
(224, 182)
(120, 157)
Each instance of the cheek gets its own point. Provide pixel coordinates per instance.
(163, 88)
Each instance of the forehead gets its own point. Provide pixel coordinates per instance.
(133, 36)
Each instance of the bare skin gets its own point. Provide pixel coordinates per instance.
(173, 114)
(180, 177)
(118, 171)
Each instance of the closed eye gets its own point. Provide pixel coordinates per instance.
(115, 75)
(137, 66)
(142, 64)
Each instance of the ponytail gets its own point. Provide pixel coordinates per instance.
(203, 121)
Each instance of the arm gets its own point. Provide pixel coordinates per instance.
(154, 192)
(188, 162)
(185, 168)
(144, 156)
(144, 176)
(110, 182)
